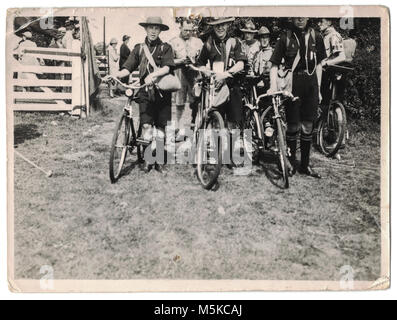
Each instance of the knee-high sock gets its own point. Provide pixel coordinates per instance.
(306, 142)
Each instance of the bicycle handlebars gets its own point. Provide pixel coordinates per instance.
(201, 71)
(286, 94)
(132, 86)
(336, 66)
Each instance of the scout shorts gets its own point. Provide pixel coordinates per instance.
(305, 108)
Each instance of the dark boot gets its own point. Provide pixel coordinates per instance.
(306, 142)
(159, 167)
(147, 167)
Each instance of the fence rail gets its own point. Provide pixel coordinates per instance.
(60, 85)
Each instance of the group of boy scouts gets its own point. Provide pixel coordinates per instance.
(302, 51)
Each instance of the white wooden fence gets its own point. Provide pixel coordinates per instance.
(63, 87)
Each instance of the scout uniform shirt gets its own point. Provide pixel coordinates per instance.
(214, 50)
(262, 62)
(333, 42)
(250, 49)
(308, 62)
(162, 54)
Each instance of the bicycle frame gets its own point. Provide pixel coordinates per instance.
(277, 101)
(325, 113)
(207, 100)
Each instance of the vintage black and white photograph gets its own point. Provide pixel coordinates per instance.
(191, 149)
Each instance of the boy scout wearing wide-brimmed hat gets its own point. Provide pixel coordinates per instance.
(154, 21)
(262, 62)
(214, 51)
(250, 46)
(249, 28)
(303, 49)
(263, 31)
(217, 21)
(154, 106)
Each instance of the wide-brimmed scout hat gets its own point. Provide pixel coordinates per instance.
(62, 29)
(113, 40)
(155, 21)
(220, 21)
(263, 31)
(125, 37)
(27, 34)
(249, 28)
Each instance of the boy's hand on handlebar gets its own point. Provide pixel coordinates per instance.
(107, 78)
(150, 79)
(271, 90)
(187, 61)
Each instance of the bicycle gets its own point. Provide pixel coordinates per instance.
(125, 137)
(274, 124)
(252, 117)
(208, 128)
(331, 124)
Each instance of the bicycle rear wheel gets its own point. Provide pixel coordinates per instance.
(332, 129)
(209, 150)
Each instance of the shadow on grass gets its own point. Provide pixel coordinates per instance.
(134, 165)
(268, 165)
(24, 132)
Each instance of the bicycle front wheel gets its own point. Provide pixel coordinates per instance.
(209, 150)
(282, 153)
(120, 144)
(332, 129)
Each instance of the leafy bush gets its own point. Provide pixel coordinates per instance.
(362, 96)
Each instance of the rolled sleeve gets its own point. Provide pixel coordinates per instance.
(168, 57)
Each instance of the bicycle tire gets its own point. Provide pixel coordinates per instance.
(282, 151)
(117, 159)
(209, 181)
(338, 109)
(253, 122)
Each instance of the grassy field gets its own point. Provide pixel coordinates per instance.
(166, 226)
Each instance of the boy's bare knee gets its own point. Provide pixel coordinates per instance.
(307, 127)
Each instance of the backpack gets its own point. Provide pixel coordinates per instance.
(168, 82)
(349, 46)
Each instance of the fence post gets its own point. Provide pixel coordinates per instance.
(86, 87)
(77, 81)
